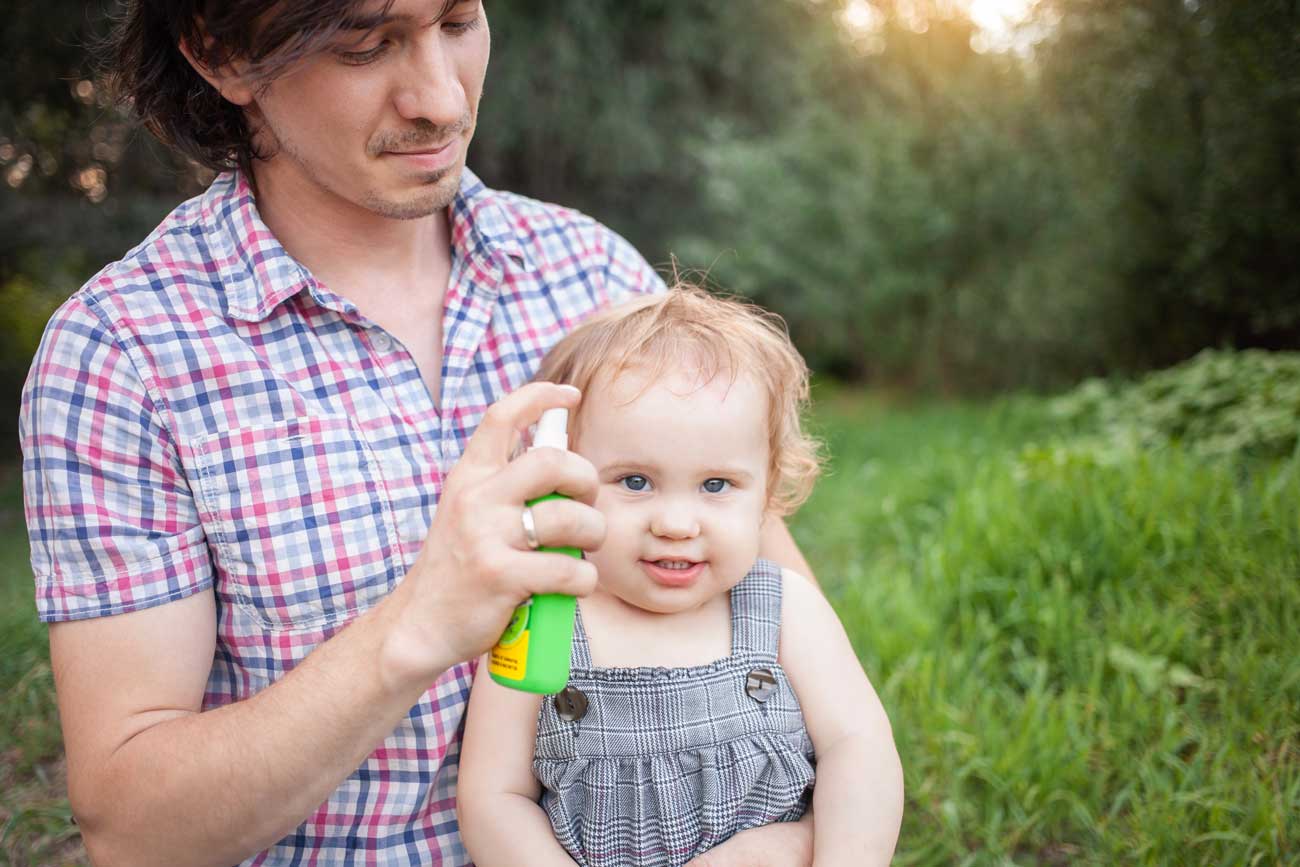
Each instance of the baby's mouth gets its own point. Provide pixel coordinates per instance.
(670, 572)
(673, 564)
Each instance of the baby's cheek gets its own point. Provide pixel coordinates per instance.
(746, 533)
(620, 533)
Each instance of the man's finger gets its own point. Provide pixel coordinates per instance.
(557, 573)
(546, 471)
(490, 445)
(565, 523)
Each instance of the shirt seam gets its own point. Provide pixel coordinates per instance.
(93, 306)
(157, 399)
(55, 578)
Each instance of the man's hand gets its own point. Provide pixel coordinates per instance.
(476, 566)
(781, 844)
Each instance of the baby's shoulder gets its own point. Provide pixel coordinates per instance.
(797, 590)
(805, 613)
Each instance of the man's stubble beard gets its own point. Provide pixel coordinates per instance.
(437, 193)
(438, 189)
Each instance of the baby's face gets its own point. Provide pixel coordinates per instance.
(683, 485)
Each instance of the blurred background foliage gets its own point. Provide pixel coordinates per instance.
(1084, 187)
(1079, 610)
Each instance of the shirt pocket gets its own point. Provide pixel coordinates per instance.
(298, 514)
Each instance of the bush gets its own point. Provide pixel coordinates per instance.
(1218, 403)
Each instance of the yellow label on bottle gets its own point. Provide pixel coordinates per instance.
(509, 658)
(512, 660)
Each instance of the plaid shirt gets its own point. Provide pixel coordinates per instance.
(205, 416)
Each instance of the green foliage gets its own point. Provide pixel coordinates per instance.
(1118, 200)
(905, 228)
(1219, 403)
(1085, 647)
(1115, 197)
(28, 716)
(593, 105)
(1180, 123)
(35, 820)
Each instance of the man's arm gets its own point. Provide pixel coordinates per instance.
(154, 781)
(776, 544)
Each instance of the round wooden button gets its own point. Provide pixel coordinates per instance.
(760, 684)
(570, 704)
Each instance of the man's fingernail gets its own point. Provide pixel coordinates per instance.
(573, 389)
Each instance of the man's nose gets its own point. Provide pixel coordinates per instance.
(430, 88)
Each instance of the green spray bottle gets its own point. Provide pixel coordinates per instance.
(533, 653)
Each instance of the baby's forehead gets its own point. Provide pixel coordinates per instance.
(679, 391)
(682, 376)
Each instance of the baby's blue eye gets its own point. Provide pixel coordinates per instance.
(716, 486)
(635, 482)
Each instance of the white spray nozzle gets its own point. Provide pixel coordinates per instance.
(553, 429)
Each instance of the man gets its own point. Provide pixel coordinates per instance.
(267, 473)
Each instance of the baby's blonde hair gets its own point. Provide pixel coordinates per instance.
(724, 334)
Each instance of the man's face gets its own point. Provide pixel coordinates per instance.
(382, 118)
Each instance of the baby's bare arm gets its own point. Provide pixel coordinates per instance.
(500, 819)
(858, 797)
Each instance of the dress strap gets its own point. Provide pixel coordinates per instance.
(581, 649)
(756, 612)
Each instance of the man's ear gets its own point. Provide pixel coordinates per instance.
(230, 79)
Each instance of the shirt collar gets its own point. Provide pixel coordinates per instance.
(482, 228)
(258, 274)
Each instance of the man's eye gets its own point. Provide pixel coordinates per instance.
(456, 28)
(634, 482)
(716, 486)
(360, 58)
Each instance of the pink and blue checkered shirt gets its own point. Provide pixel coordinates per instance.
(204, 416)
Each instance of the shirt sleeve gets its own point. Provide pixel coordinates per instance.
(628, 273)
(111, 521)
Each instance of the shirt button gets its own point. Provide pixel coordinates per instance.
(381, 341)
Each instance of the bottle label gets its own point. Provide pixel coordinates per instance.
(509, 658)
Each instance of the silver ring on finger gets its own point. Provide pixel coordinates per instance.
(530, 528)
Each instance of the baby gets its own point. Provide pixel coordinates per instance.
(707, 682)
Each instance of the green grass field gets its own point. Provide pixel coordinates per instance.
(35, 825)
(1088, 651)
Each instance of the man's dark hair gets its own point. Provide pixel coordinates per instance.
(147, 68)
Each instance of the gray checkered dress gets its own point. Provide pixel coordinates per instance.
(668, 762)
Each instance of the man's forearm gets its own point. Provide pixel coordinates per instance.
(217, 787)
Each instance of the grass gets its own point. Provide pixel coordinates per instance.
(1088, 651)
(35, 821)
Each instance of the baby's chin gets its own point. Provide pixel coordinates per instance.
(676, 601)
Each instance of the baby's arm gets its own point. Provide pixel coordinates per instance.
(858, 796)
(500, 819)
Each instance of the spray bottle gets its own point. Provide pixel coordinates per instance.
(533, 653)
